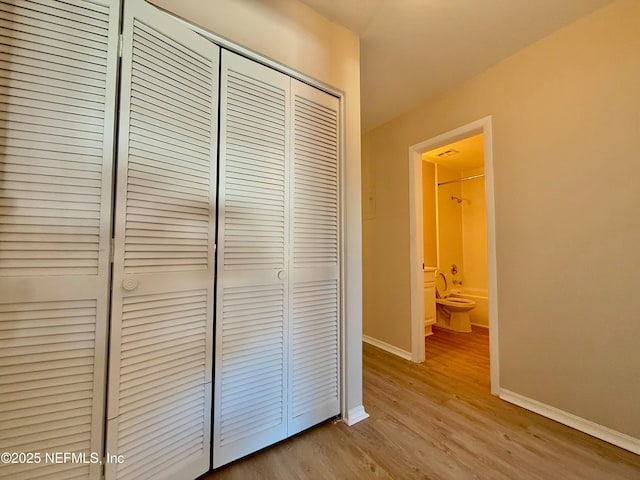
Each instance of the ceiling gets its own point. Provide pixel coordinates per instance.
(412, 50)
(465, 155)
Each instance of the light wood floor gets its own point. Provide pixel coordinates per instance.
(438, 421)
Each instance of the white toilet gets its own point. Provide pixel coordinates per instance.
(451, 312)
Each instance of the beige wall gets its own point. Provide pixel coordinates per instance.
(474, 231)
(566, 137)
(294, 35)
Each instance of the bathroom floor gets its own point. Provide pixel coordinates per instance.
(465, 353)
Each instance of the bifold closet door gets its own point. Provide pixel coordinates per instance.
(58, 63)
(251, 320)
(314, 303)
(159, 402)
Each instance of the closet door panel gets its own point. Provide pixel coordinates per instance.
(58, 67)
(314, 307)
(251, 322)
(159, 410)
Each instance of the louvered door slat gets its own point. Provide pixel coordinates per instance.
(146, 51)
(52, 24)
(73, 9)
(159, 402)
(57, 100)
(29, 27)
(314, 334)
(39, 53)
(54, 43)
(251, 331)
(58, 86)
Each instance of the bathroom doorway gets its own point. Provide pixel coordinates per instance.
(455, 233)
(457, 165)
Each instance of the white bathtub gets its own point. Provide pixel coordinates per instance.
(480, 314)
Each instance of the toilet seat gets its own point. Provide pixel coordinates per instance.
(454, 301)
(444, 294)
(442, 285)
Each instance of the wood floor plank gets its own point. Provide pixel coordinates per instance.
(437, 421)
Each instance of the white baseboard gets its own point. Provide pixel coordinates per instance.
(355, 415)
(387, 347)
(481, 326)
(587, 426)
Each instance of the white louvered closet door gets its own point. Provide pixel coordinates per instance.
(251, 314)
(314, 303)
(58, 65)
(159, 404)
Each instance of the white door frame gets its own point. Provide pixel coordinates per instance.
(417, 247)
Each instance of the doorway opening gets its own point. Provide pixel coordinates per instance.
(426, 254)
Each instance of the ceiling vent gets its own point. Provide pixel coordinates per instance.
(448, 153)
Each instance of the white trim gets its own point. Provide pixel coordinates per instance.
(416, 249)
(486, 327)
(387, 347)
(494, 350)
(587, 426)
(355, 415)
(416, 255)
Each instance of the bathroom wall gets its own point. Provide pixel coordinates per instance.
(450, 224)
(474, 233)
(566, 136)
(429, 235)
(463, 229)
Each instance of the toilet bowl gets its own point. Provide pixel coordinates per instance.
(451, 312)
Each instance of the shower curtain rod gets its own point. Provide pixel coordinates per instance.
(462, 179)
